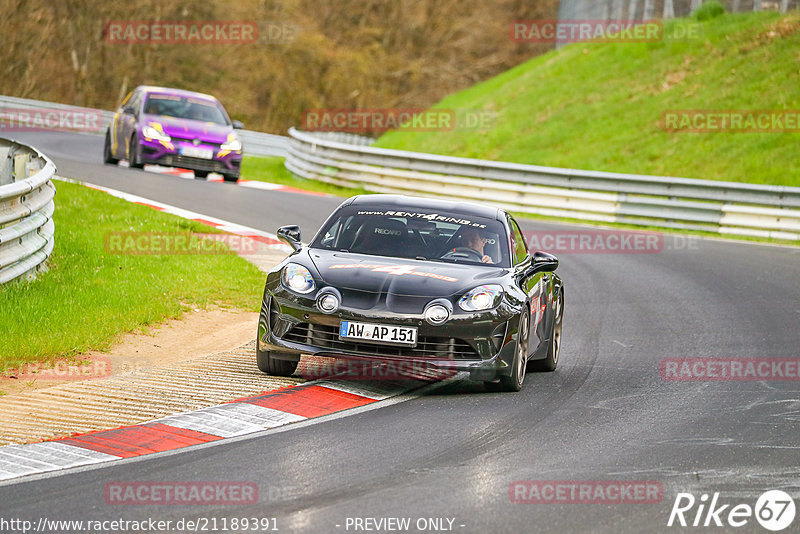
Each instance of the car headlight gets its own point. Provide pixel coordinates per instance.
(298, 279)
(233, 144)
(154, 131)
(481, 298)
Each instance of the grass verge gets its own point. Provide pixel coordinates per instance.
(89, 297)
(599, 106)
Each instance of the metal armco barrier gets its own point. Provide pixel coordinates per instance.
(681, 203)
(27, 232)
(254, 143)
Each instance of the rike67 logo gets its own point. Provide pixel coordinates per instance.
(774, 510)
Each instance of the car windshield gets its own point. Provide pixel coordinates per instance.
(183, 107)
(419, 234)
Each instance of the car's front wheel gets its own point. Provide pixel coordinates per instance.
(231, 177)
(267, 360)
(268, 363)
(108, 157)
(200, 174)
(133, 153)
(513, 382)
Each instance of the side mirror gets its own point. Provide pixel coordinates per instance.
(542, 263)
(291, 236)
(238, 125)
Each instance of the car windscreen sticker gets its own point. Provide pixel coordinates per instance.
(387, 231)
(172, 98)
(426, 216)
(395, 270)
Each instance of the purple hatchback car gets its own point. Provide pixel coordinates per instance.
(176, 128)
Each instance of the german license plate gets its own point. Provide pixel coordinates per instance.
(196, 152)
(378, 333)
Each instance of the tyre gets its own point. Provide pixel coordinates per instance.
(200, 174)
(554, 347)
(133, 153)
(266, 360)
(513, 382)
(230, 177)
(267, 363)
(108, 158)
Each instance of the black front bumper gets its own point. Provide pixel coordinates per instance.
(480, 343)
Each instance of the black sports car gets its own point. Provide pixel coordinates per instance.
(392, 278)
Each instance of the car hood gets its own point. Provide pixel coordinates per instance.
(190, 129)
(400, 276)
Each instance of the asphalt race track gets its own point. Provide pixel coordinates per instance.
(605, 414)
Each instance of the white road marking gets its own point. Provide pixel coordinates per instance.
(370, 390)
(18, 460)
(228, 420)
(266, 186)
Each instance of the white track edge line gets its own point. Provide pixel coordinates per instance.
(403, 397)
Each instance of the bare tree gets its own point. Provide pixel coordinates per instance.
(649, 9)
(669, 9)
(633, 5)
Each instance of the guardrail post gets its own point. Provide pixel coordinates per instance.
(6, 165)
(20, 166)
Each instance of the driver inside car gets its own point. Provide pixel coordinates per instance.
(475, 240)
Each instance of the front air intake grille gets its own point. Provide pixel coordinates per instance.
(327, 336)
(274, 315)
(197, 163)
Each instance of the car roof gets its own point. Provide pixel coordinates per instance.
(406, 203)
(174, 92)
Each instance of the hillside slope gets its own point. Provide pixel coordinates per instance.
(599, 106)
